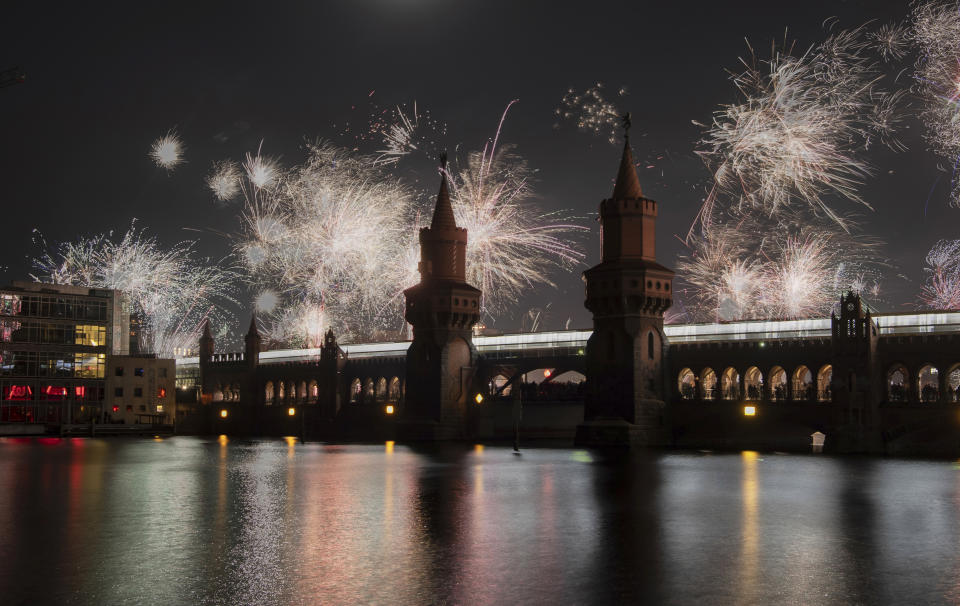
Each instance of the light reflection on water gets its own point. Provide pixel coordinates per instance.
(224, 521)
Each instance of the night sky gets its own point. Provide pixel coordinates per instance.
(103, 83)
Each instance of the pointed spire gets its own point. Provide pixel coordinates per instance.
(443, 213)
(628, 185)
(253, 332)
(206, 329)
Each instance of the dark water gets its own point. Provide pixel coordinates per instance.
(194, 521)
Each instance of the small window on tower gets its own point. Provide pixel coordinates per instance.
(650, 345)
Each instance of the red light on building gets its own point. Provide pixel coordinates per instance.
(116, 409)
(162, 392)
(80, 391)
(54, 392)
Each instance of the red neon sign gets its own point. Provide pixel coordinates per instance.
(18, 392)
(54, 392)
(80, 391)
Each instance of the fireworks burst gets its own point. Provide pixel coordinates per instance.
(334, 242)
(797, 134)
(167, 151)
(751, 267)
(936, 31)
(170, 292)
(262, 171)
(404, 134)
(592, 111)
(224, 180)
(942, 290)
(510, 246)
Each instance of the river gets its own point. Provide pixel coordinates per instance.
(225, 521)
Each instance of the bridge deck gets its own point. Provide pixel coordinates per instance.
(573, 342)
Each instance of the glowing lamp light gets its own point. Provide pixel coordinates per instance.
(479, 398)
(116, 409)
(749, 411)
(291, 411)
(547, 373)
(223, 413)
(389, 409)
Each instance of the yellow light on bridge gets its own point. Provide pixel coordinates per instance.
(223, 413)
(479, 398)
(291, 411)
(389, 409)
(749, 411)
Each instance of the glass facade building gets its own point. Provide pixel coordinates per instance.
(54, 344)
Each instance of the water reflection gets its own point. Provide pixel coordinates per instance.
(277, 522)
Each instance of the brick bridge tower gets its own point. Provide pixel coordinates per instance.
(855, 378)
(628, 292)
(442, 309)
(206, 348)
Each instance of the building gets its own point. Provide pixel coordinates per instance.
(54, 345)
(140, 389)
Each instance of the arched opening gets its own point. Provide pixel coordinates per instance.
(753, 383)
(803, 389)
(497, 383)
(381, 389)
(302, 391)
(235, 389)
(824, 378)
(650, 345)
(281, 391)
(268, 393)
(687, 384)
(313, 391)
(355, 388)
(730, 384)
(778, 384)
(953, 384)
(928, 383)
(898, 383)
(393, 391)
(708, 384)
(368, 392)
(291, 391)
(218, 394)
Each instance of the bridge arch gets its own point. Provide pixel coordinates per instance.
(687, 384)
(753, 383)
(313, 390)
(381, 390)
(708, 384)
(778, 384)
(291, 392)
(898, 383)
(368, 391)
(953, 383)
(281, 391)
(730, 384)
(393, 391)
(355, 391)
(268, 393)
(803, 387)
(302, 392)
(824, 383)
(928, 383)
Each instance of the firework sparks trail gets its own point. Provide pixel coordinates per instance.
(224, 180)
(406, 133)
(592, 112)
(798, 133)
(167, 151)
(510, 248)
(942, 290)
(170, 292)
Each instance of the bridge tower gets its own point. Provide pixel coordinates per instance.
(332, 360)
(442, 309)
(628, 292)
(855, 379)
